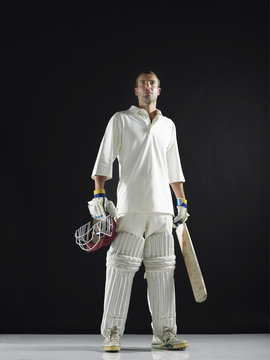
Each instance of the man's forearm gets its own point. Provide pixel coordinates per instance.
(99, 182)
(178, 189)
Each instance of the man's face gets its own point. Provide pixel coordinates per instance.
(147, 89)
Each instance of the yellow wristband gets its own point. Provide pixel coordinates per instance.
(181, 201)
(99, 191)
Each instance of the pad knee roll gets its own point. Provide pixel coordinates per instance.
(123, 262)
(161, 263)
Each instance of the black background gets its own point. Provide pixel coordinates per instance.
(65, 72)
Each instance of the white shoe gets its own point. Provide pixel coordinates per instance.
(168, 341)
(112, 339)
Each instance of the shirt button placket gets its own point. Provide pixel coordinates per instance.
(149, 126)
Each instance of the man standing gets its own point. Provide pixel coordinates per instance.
(144, 141)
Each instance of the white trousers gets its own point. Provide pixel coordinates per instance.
(144, 224)
(147, 238)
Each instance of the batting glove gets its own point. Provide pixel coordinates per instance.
(100, 206)
(182, 215)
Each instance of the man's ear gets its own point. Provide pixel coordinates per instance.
(136, 91)
(159, 91)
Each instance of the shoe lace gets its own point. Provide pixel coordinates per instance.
(169, 335)
(113, 333)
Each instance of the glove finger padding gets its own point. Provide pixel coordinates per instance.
(181, 217)
(110, 208)
(96, 209)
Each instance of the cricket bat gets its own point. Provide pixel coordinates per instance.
(192, 264)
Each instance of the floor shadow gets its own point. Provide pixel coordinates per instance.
(134, 349)
(53, 348)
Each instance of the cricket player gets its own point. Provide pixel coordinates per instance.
(144, 142)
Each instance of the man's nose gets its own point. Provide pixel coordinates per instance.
(148, 85)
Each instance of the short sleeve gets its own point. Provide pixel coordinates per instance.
(175, 172)
(109, 149)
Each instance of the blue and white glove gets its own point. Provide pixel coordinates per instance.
(182, 215)
(100, 206)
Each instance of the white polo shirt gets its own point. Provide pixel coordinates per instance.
(148, 159)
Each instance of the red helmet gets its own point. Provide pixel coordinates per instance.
(96, 234)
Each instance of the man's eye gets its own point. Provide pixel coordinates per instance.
(153, 83)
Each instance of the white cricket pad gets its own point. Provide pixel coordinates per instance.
(159, 261)
(123, 260)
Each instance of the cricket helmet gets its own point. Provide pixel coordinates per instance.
(96, 233)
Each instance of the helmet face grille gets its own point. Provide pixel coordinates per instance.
(95, 234)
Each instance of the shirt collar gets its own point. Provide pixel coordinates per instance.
(139, 111)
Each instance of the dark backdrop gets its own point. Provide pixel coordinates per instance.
(65, 72)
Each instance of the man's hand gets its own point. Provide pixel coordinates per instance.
(100, 206)
(182, 215)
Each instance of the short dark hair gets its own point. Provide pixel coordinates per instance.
(146, 72)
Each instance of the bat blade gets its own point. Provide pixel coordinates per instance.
(192, 264)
